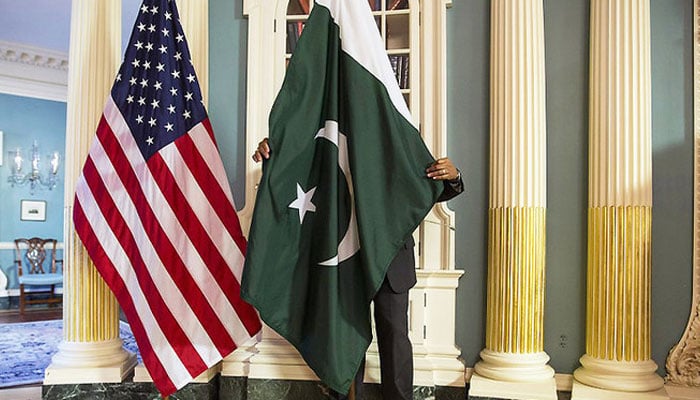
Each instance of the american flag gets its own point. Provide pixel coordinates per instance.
(154, 209)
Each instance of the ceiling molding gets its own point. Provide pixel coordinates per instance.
(33, 72)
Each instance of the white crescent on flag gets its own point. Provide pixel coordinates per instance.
(350, 244)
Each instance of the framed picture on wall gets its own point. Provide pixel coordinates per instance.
(32, 210)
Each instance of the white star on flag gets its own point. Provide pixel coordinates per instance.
(303, 202)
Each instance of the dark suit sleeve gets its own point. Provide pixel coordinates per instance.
(452, 189)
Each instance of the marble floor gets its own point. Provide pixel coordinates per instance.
(21, 393)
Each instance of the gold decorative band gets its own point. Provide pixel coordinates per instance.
(516, 279)
(92, 312)
(619, 279)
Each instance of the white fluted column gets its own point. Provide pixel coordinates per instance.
(194, 17)
(618, 343)
(91, 350)
(514, 360)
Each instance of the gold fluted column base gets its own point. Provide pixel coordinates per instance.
(513, 376)
(514, 367)
(618, 345)
(516, 279)
(636, 376)
(514, 363)
(515, 300)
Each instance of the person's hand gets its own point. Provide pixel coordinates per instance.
(262, 152)
(443, 169)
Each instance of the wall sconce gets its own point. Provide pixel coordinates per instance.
(21, 175)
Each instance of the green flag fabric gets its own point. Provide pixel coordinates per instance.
(344, 188)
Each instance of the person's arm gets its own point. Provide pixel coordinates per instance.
(443, 169)
(452, 189)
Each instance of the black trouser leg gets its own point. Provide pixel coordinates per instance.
(395, 349)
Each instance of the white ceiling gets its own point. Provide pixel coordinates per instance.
(46, 23)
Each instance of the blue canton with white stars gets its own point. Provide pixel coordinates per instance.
(156, 89)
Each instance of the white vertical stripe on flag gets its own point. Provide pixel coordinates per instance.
(167, 219)
(361, 40)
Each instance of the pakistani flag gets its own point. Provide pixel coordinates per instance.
(344, 188)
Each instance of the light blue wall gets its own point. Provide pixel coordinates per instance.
(672, 127)
(24, 120)
(566, 63)
(468, 140)
(227, 88)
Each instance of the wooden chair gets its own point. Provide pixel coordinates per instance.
(32, 254)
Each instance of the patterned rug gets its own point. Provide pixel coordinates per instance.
(26, 349)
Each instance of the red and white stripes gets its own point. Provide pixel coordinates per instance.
(164, 234)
